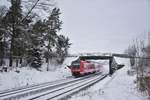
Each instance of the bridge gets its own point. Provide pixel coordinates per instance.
(108, 56)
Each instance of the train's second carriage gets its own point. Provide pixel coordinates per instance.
(82, 67)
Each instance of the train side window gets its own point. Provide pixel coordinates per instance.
(86, 65)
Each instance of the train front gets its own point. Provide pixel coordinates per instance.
(75, 68)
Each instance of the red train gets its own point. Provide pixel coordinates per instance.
(83, 67)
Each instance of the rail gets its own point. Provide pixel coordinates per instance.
(37, 91)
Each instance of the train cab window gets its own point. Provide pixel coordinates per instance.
(76, 65)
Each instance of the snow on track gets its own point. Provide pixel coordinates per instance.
(65, 90)
(35, 91)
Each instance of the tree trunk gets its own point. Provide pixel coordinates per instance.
(10, 61)
(47, 59)
(1, 61)
(12, 46)
(1, 53)
(47, 65)
(11, 52)
(17, 62)
(20, 62)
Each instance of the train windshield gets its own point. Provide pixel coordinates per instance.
(75, 65)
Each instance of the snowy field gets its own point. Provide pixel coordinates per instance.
(119, 86)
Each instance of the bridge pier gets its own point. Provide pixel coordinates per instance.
(110, 66)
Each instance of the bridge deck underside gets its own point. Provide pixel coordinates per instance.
(95, 57)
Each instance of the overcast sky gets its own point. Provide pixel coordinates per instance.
(104, 25)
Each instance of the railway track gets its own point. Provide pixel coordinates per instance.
(50, 90)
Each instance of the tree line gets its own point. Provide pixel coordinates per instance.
(26, 38)
(141, 65)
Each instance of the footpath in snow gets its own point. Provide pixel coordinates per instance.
(120, 86)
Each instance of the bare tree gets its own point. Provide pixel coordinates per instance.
(132, 52)
(142, 65)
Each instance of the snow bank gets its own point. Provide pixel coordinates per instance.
(28, 76)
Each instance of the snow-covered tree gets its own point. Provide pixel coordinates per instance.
(28, 37)
(35, 50)
(53, 24)
(62, 48)
(132, 52)
(36, 60)
(3, 35)
(141, 50)
(13, 19)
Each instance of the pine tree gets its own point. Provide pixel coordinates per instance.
(37, 58)
(53, 26)
(3, 32)
(35, 51)
(27, 38)
(62, 47)
(13, 19)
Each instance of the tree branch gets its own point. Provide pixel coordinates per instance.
(30, 10)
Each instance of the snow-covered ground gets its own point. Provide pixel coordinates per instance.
(119, 86)
(28, 76)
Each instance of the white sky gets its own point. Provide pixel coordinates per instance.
(104, 25)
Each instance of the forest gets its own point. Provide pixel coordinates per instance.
(28, 39)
